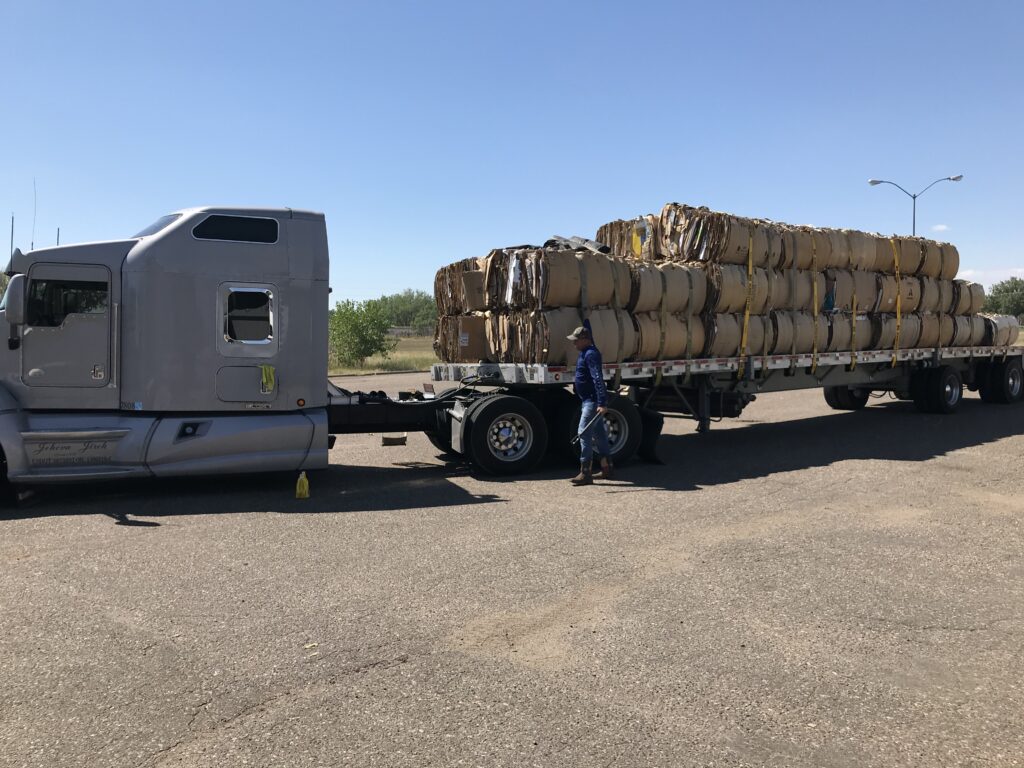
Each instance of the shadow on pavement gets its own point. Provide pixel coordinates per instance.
(337, 489)
(889, 431)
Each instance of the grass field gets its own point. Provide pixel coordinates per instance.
(412, 354)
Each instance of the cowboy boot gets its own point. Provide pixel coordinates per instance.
(584, 477)
(606, 471)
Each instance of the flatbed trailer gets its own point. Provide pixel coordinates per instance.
(523, 409)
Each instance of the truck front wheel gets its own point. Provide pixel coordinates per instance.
(507, 435)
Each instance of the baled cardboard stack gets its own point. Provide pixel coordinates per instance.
(698, 283)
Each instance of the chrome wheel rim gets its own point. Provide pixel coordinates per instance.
(510, 437)
(951, 392)
(1014, 381)
(618, 430)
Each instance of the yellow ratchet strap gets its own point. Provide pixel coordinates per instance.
(899, 300)
(690, 313)
(746, 311)
(814, 304)
(853, 331)
(663, 312)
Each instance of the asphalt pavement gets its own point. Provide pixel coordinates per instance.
(800, 587)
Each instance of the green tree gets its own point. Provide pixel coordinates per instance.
(411, 308)
(1006, 298)
(358, 330)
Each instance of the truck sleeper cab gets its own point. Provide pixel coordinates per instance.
(198, 346)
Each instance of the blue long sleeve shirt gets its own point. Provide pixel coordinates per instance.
(589, 381)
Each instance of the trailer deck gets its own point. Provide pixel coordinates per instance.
(540, 373)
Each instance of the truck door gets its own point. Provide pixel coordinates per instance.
(66, 340)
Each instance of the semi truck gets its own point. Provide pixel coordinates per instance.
(199, 346)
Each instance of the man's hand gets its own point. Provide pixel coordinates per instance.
(602, 409)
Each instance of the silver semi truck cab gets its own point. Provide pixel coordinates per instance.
(197, 346)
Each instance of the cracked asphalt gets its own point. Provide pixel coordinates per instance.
(801, 587)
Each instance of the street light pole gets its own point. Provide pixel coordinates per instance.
(913, 197)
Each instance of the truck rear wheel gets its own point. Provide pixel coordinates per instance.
(441, 438)
(442, 442)
(1006, 381)
(846, 398)
(507, 435)
(937, 390)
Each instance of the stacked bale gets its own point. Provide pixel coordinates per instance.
(692, 282)
(888, 292)
(530, 298)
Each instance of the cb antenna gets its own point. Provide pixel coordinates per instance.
(12, 233)
(32, 247)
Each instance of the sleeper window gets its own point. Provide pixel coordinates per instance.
(249, 316)
(241, 229)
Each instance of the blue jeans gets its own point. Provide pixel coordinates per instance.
(597, 433)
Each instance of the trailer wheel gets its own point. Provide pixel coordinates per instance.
(922, 390)
(507, 435)
(846, 398)
(983, 382)
(937, 390)
(625, 429)
(949, 389)
(1006, 381)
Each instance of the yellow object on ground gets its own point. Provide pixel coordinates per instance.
(302, 487)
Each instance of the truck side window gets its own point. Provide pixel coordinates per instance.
(240, 229)
(249, 316)
(51, 301)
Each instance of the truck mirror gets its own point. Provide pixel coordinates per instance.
(15, 301)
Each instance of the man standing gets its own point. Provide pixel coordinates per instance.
(590, 388)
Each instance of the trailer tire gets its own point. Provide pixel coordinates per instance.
(625, 429)
(949, 389)
(846, 398)
(983, 382)
(922, 390)
(831, 399)
(507, 435)
(1006, 381)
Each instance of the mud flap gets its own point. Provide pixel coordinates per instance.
(653, 423)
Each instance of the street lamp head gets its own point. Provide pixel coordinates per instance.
(874, 182)
(957, 177)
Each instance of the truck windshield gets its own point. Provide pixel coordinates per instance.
(162, 223)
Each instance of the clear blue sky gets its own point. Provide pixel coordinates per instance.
(432, 131)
